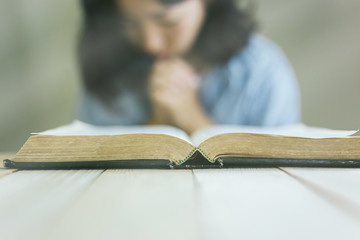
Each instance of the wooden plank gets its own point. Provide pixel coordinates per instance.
(267, 204)
(341, 186)
(32, 201)
(161, 204)
(133, 204)
(5, 172)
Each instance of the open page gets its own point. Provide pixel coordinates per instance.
(298, 130)
(81, 128)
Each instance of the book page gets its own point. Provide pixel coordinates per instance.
(298, 130)
(82, 128)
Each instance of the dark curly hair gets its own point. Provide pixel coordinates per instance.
(110, 62)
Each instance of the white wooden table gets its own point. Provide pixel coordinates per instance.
(288, 203)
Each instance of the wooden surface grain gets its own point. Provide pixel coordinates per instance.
(204, 204)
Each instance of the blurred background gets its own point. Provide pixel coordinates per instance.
(39, 79)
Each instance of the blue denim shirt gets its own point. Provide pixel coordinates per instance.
(255, 87)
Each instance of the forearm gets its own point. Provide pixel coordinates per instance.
(192, 118)
(174, 94)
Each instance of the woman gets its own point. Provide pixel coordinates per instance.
(187, 63)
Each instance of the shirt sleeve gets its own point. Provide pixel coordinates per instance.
(277, 98)
(128, 108)
(268, 94)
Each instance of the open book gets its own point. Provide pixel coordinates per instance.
(80, 145)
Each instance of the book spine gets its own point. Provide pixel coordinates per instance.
(232, 162)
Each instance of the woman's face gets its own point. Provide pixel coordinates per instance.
(163, 30)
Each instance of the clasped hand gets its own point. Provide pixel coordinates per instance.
(173, 87)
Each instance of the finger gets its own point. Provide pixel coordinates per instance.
(187, 81)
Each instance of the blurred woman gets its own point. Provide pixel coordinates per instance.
(186, 63)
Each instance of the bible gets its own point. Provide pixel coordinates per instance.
(80, 145)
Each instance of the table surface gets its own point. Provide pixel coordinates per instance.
(247, 203)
